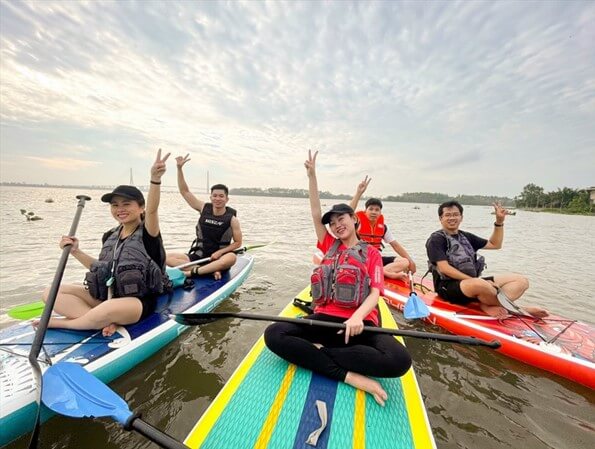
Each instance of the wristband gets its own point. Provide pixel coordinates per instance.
(156, 182)
(498, 225)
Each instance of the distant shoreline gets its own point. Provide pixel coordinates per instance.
(557, 211)
(277, 192)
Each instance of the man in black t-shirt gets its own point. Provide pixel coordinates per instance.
(456, 268)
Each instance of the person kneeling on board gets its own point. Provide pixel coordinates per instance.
(124, 282)
(347, 295)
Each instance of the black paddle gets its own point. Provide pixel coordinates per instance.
(196, 319)
(45, 317)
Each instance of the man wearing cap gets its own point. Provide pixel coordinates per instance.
(218, 232)
(374, 231)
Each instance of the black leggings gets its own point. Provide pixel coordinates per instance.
(370, 354)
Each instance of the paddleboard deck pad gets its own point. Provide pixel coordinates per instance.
(269, 403)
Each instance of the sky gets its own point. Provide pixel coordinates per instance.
(454, 97)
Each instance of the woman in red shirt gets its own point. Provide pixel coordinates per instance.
(345, 288)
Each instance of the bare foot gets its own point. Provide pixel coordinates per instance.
(401, 276)
(109, 330)
(495, 311)
(217, 275)
(368, 385)
(537, 312)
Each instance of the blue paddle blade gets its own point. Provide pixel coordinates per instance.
(70, 390)
(415, 308)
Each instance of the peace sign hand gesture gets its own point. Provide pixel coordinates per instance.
(500, 212)
(158, 168)
(310, 164)
(362, 186)
(180, 161)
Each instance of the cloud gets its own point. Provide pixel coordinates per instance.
(247, 88)
(66, 164)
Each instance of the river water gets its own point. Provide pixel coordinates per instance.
(475, 398)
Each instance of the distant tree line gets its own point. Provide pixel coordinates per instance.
(573, 201)
(413, 197)
(281, 192)
(438, 198)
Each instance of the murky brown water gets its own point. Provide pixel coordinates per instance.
(475, 398)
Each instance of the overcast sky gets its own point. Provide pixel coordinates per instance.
(454, 97)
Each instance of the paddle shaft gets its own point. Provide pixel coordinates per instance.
(209, 259)
(155, 435)
(47, 312)
(202, 318)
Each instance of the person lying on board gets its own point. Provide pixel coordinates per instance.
(372, 229)
(218, 231)
(124, 282)
(456, 267)
(346, 295)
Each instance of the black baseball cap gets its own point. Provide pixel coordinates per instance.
(340, 209)
(130, 192)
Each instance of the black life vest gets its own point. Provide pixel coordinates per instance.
(213, 232)
(461, 255)
(126, 266)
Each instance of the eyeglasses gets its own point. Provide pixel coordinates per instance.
(451, 215)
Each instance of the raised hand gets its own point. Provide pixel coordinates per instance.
(158, 168)
(180, 161)
(500, 212)
(310, 163)
(362, 186)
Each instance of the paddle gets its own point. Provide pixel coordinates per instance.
(45, 317)
(26, 311)
(34, 309)
(196, 319)
(511, 307)
(414, 308)
(208, 259)
(70, 390)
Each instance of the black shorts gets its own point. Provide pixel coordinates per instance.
(149, 305)
(195, 256)
(450, 290)
(387, 259)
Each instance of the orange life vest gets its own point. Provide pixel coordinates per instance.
(369, 234)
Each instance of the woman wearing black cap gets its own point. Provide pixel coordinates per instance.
(130, 267)
(345, 289)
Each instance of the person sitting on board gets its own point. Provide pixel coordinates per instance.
(353, 356)
(124, 282)
(372, 229)
(218, 232)
(456, 268)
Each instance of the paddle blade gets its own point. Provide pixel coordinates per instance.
(196, 319)
(70, 390)
(27, 311)
(415, 308)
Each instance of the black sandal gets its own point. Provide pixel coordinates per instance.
(194, 272)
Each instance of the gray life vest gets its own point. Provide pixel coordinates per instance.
(213, 232)
(126, 267)
(342, 277)
(461, 255)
